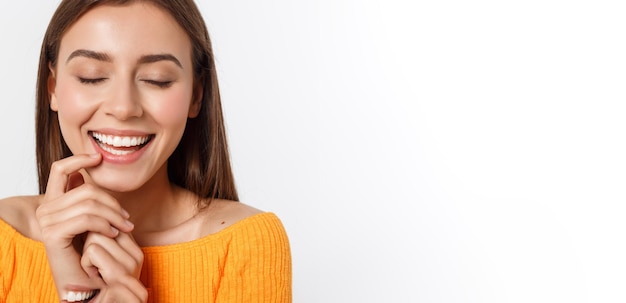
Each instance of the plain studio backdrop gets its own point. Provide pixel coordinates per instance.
(416, 151)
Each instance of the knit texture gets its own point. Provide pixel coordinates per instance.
(249, 261)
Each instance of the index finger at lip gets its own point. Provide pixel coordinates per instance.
(62, 169)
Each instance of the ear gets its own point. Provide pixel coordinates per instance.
(52, 83)
(196, 101)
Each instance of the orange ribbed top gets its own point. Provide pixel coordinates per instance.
(249, 261)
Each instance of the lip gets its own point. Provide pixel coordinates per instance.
(120, 132)
(120, 159)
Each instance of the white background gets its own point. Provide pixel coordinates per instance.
(416, 151)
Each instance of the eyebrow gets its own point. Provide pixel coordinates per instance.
(89, 54)
(159, 57)
(106, 58)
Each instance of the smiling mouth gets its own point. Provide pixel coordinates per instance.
(120, 145)
(80, 296)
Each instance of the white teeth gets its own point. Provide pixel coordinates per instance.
(114, 151)
(76, 296)
(121, 141)
(117, 141)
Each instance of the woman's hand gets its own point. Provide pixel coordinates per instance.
(118, 261)
(112, 256)
(69, 210)
(126, 289)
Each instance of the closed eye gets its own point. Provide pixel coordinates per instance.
(91, 80)
(160, 84)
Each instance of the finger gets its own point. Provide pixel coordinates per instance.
(75, 226)
(111, 271)
(96, 261)
(85, 199)
(62, 169)
(126, 252)
(86, 192)
(87, 208)
(129, 244)
(95, 256)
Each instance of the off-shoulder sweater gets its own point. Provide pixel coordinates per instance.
(249, 261)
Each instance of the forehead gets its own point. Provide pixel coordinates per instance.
(125, 31)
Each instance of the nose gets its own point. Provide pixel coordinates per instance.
(124, 102)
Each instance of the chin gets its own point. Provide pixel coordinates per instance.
(115, 182)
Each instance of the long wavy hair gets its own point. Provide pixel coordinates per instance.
(201, 161)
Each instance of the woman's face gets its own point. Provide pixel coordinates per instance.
(123, 87)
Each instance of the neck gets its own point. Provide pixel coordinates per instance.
(158, 205)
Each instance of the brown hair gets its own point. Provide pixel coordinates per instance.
(201, 162)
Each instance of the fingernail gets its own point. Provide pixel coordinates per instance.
(115, 231)
(125, 214)
(130, 224)
(96, 155)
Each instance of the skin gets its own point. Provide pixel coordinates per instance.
(97, 212)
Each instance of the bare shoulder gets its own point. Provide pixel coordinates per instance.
(223, 213)
(19, 212)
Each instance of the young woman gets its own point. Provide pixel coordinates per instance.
(137, 200)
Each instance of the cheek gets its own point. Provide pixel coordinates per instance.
(73, 104)
(173, 108)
